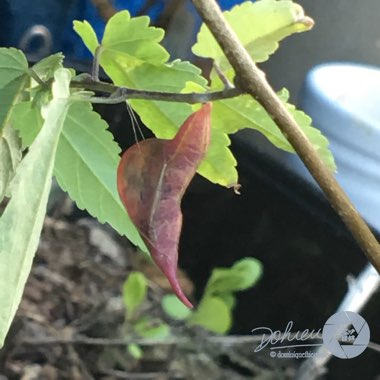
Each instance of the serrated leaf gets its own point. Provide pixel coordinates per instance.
(22, 220)
(219, 166)
(134, 292)
(134, 38)
(174, 308)
(46, 68)
(213, 315)
(13, 78)
(27, 120)
(164, 118)
(86, 165)
(231, 115)
(10, 157)
(127, 39)
(87, 34)
(259, 25)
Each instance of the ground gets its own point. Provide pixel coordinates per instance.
(70, 324)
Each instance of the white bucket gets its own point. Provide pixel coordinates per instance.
(343, 100)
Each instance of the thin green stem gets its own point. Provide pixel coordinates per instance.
(35, 76)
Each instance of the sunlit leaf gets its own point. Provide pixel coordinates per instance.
(21, 222)
(86, 165)
(259, 25)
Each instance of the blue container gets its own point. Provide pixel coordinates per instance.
(41, 27)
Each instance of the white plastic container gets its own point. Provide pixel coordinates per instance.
(343, 100)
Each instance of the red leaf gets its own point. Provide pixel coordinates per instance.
(152, 177)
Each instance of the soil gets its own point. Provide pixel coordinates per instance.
(71, 321)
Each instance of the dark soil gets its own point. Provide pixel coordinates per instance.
(70, 324)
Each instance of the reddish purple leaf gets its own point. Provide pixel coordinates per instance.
(152, 177)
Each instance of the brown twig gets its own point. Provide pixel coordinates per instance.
(253, 82)
(104, 8)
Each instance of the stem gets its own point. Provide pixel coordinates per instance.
(121, 94)
(222, 77)
(35, 76)
(253, 82)
(95, 64)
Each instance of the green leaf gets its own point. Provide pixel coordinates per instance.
(241, 276)
(134, 39)
(149, 328)
(219, 165)
(27, 120)
(86, 166)
(13, 79)
(46, 68)
(135, 351)
(164, 118)
(22, 220)
(87, 34)
(319, 141)
(213, 315)
(10, 157)
(174, 308)
(229, 299)
(134, 292)
(260, 26)
(231, 115)
(127, 39)
(86, 163)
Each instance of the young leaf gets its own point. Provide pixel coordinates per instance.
(229, 299)
(86, 165)
(127, 39)
(134, 292)
(135, 351)
(260, 26)
(21, 222)
(10, 156)
(87, 34)
(134, 38)
(13, 79)
(213, 315)
(148, 328)
(152, 178)
(241, 276)
(174, 308)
